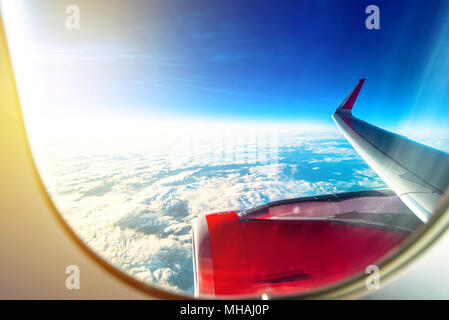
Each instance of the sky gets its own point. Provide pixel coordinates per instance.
(256, 61)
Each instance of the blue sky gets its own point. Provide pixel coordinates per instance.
(249, 60)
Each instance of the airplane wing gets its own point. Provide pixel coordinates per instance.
(417, 173)
(295, 245)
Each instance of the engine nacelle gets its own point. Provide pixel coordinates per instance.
(292, 246)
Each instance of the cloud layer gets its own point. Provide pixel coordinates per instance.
(135, 209)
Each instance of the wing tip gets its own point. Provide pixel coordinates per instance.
(348, 102)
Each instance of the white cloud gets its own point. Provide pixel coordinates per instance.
(135, 209)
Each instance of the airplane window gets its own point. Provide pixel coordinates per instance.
(237, 149)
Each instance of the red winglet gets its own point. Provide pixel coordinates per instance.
(348, 103)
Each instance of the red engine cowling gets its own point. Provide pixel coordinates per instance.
(296, 245)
